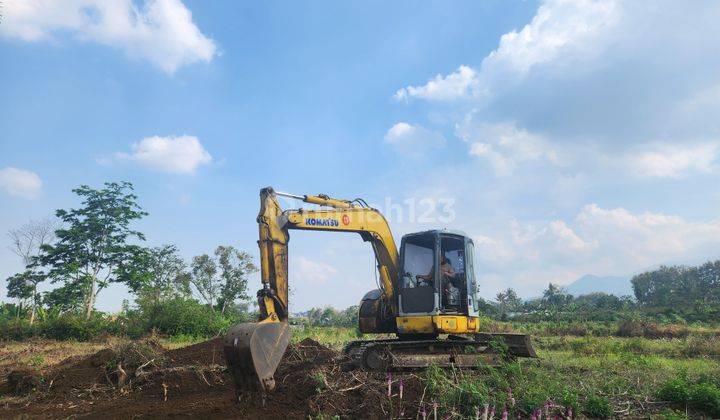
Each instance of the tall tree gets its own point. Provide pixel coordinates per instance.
(222, 280)
(203, 272)
(93, 248)
(555, 297)
(509, 301)
(26, 242)
(235, 266)
(164, 275)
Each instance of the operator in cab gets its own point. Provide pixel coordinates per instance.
(446, 272)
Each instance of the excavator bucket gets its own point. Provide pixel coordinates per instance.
(253, 352)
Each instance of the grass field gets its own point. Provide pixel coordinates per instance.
(596, 376)
(589, 375)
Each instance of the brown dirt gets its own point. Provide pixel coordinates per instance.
(193, 382)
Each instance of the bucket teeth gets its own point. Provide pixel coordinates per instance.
(253, 352)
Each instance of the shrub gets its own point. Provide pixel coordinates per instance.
(675, 391)
(670, 414)
(181, 316)
(17, 329)
(466, 396)
(597, 406)
(74, 327)
(702, 395)
(705, 397)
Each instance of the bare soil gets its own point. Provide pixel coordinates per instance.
(193, 381)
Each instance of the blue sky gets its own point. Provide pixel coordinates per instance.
(568, 137)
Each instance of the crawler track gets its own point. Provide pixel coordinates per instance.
(396, 354)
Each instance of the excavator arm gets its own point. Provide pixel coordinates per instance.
(254, 350)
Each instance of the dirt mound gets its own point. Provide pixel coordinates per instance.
(79, 373)
(193, 382)
(206, 353)
(22, 381)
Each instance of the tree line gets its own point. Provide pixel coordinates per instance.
(672, 292)
(85, 249)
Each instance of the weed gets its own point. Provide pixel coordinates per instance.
(37, 360)
(465, 396)
(702, 395)
(705, 397)
(670, 414)
(597, 406)
(675, 390)
(499, 346)
(320, 381)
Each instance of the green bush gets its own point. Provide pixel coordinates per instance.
(705, 397)
(702, 395)
(75, 327)
(675, 390)
(17, 329)
(670, 414)
(597, 406)
(181, 316)
(466, 396)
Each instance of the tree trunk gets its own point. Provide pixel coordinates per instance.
(91, 299)
(34, 305)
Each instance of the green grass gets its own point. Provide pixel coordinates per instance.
(692, 346)
(333, 337)
(596, 376)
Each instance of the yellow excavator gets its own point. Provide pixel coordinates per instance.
(427, 296)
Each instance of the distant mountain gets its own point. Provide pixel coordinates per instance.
(589, 283)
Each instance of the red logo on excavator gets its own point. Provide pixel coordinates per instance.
(346, 219)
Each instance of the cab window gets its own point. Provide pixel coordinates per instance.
(418, 262)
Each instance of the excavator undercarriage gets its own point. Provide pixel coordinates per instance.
(458, 351)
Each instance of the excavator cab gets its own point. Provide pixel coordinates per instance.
(438, 275)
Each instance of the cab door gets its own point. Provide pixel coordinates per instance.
(472, 287)
(453, 279)
(419, 271)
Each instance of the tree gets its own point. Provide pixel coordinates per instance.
(222, 280)
(23, 286)
(509, 301)
(203, 272)
(555, 297)
(93, 250)
(680, 288)
(26, 242)
(162, 274)
(235, 266)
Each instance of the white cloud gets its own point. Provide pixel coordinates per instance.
(442, 88)
(176, 155)
(560, 28)
(162, 31)
(598, 240)
(670, 161)
(20, 182)
(607, 76)
(413, 140)
(504, 145)
(312, 272)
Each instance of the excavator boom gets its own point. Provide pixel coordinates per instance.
(254, 350)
